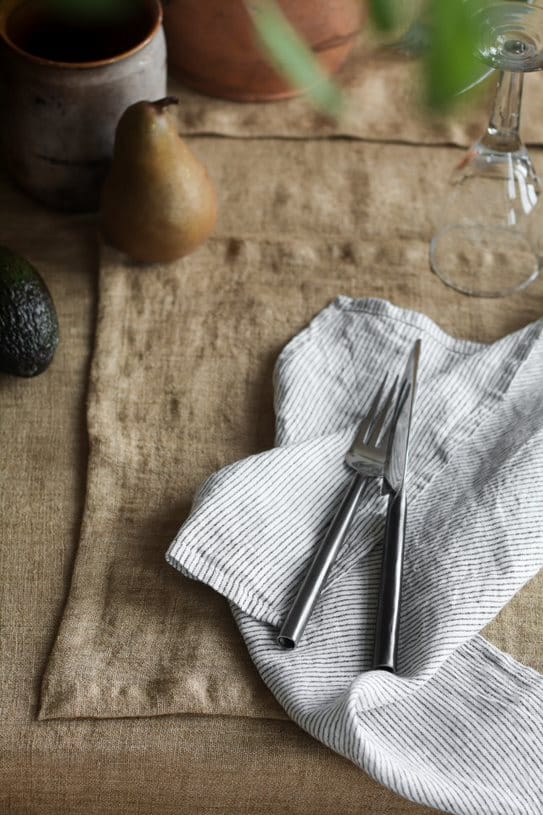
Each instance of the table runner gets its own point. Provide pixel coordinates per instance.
(203, 334)
(383, 96)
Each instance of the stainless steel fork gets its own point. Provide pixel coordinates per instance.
(367, 457)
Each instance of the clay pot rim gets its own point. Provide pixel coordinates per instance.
(156, 5)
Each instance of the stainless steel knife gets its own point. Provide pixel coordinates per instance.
(388, 611)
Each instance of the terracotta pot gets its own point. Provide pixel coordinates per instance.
(212, 47)
(59, 114)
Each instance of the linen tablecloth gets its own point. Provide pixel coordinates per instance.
(288, 230)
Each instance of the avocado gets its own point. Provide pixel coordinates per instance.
(28, 320)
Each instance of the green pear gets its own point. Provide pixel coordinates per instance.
(158, 202)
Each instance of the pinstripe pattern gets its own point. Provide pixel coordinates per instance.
(461, 727)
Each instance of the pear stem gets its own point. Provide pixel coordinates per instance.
(162, 104)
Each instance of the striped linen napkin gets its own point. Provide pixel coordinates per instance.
(460, 727)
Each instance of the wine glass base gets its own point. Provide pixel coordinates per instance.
(483, 261)
(511, 36)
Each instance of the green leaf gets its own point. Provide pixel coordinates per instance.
(451, 63)
(384, 14)
(292, 57)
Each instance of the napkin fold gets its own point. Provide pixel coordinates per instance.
(460, 727)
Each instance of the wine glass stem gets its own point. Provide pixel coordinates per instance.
(502, 133)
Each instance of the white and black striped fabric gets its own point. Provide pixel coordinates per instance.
(460, 727)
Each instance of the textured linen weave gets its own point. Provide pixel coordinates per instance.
(460, 727)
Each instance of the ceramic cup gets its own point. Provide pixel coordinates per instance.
(64, 93)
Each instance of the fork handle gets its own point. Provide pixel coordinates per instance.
(296, 620)
(388, 610)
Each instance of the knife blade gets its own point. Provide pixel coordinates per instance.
(389, 603)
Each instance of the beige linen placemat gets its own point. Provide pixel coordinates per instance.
(383, 96)
(181, 384)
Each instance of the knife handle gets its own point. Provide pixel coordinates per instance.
(296, 620)
(388, 610)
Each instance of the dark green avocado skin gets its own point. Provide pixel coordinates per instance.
(29, 331)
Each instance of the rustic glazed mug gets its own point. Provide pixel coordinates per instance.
(66, 89)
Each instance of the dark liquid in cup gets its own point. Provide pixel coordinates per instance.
(46, 33)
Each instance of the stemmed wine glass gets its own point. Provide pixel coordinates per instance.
(490, 229)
